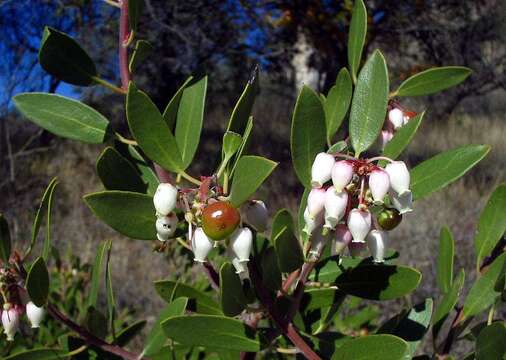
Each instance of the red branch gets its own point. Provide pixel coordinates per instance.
(124, 34)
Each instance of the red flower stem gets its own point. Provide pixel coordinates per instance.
(124, 34)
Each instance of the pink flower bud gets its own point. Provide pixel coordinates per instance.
(165, 198)
(10, 322)
(396, 117)
(335, 206)
(356, 248)
(35, 314)
(255, 213)
(201, 245)
(379, 183)
(403, 203)
(241, 242)
(311, 223)
(166, 226)
(321, 169)
(399, 176)
(377, 243)
(316, 201)
(342, 173)
(359, 224)
(343, 239)
(386, 136)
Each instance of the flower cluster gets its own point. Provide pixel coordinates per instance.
(344, 197)
(396, 118)
(211, 220)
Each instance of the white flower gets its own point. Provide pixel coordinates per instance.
(359, 224)
(10, 322)
(335, 206)
(343, 239)
(321, 169)
(342, 173)
(165, 198)
(356, 248)
(201, 245)
(318, 242)
(255, 213)
(241, 242)
(377, 243)
(386, 136)
(316, 201)
(396, 117)
(311, 223)
(379, 183)
(35, 314)
(399, 176)
(166, 226)
(403, 203)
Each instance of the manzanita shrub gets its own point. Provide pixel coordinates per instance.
(292, 288)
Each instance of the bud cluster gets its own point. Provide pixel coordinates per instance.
(344, 195)
(396, 118)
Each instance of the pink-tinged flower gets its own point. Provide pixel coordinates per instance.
(335, 206)
(311, 223)
(318, 242)
(316, 201)
(241, 242)
(321, 169)
(356, 248)
(359, 224)
(166, 226)
(386, 136)
(396, 117)
(165, 199)
(379, 183)
(377, 243)
(255, 213)
(342, 173)
(10, 322)
(399, 176)
(343, 239)
(201, 245)
(35, 314)
(403, 203)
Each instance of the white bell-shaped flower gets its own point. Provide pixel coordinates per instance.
(201, 245)
(399, 176)
(165, 198)
(379, 183)
(403, 203)
(342, 173)
(335, 206)
(316, 201)
(166, 226)
(255, 213)
(10, 322)
(318, 242)
(241, 242)
(385, 137)
(377, 244)
(356, 248)
(322, 169)
(359, 224)
(311, 223)
(342, 239)
(396, 117)
(35, 314)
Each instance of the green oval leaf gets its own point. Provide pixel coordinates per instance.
(250, 173)
(403, 137)
(170, 112)
(483, 292)
(62, 57)
(379, 282)
(444, 168)
(127, 334)
(39, 216)
(96, 273)
(150, 130)
(308, 133)
(38, 354)
(5, 240)
(492, 224)
(243, 107)
(337, 103)
(490, 343)
(212, 331)
(433, 80)
(117, 173)
(190, 116)
(369, 104)
(231, 143)
(372, 347)
(282, 219)
(246, 137)
(271, 275)
(448, 302)
(444, 263)
(356, 37)
(232, 296)
(63, 116)
(288, 250)
(128, 213)
(141, 51)
(37, 282)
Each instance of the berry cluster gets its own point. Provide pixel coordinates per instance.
(360, 189)
(211, 220)
(396, 118)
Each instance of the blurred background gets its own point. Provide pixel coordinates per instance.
(293, 42)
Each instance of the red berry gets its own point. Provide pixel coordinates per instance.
(219, 220)
(388, 219)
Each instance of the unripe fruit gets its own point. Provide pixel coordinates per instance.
(321, 169)
(388, 219)
(219, 220)
(35, 314)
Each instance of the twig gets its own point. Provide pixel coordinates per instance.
(122, 50)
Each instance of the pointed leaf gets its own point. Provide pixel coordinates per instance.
(134, 12)
(130, 214)
(490, 343)
(62, 57)
(444, 264)
(372, 347)
(5, 240)
(243, 107)
(337, 103)
(444, 168)
(231, 143)
(246, 137)
(250, 173)
(38, 354)
(37, 282)
(288, 250)
(170, 112)
(339, 146)
(128, 333)
(403, 137)
(447, 303)
(142, 50)
(96, 273)
(151, 132)
(308, 133)
(46, 245)
(492, 224)
(111, 303)
(271, 275)
(283, 219)
(232, 296)
(433, 80)
(117, 173)
(217, 332)
(63, 116)
(356, 37)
